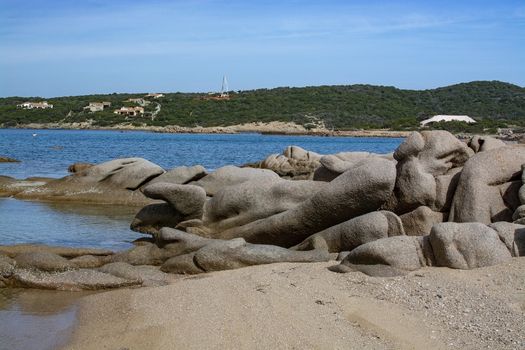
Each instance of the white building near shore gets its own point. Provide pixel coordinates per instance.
(448, 118)
(35, 105)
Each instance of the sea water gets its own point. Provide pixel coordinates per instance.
(50, 152)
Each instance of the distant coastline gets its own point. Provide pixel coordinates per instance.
(271, 128)
(316, 110)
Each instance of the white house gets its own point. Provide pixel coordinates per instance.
(448, 118)
(35, 105)
(130, 111)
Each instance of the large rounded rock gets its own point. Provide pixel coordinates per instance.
(454, 245)
(467, 245)
(481, 143)
(404, 253)
(419, 222)
(43, 261)
(513, 235)
(232, 175)
(362, 189)
(217, 255)
(88, 261)
(351, 234)
(181, 175)
(148, 254)
(237, 253)
(427, 164)
(187, 200)
(127, 173)
(488, 186)
(182, 265)
(113, 182)
(153, 217)
(294, 163)
(179, 242)
(122, 270)
(250, 201)
(333, 165)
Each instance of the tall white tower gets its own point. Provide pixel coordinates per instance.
(224, 88)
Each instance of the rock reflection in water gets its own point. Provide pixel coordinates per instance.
(66, 224)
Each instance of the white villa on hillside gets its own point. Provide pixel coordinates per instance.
(97, 106)
(130, 111)
(35, 105)
(154, 95)
(448, 118)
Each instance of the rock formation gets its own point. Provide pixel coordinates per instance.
(115, 182)
(295, 163)
(8, 160)
(435, 202)
(430, 179)
(454, 245)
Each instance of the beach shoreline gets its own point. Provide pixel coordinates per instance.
(271, 128)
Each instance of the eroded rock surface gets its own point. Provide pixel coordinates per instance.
(295, 163)
(231, 175)
(113, 182)
(427, 165)
(181, 175)
(488, 186)
(454, 245)
(379, 214)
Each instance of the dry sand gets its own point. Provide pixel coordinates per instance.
(305, 306)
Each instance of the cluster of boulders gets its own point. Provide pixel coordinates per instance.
(118, 181)
(72, 269)
(295, 163)
(436, 201)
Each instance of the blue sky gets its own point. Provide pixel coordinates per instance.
(58, 48)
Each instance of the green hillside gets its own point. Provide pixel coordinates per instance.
(492, 103)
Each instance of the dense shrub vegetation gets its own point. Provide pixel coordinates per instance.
(494, 104)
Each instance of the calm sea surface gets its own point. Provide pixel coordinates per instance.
(50, 152)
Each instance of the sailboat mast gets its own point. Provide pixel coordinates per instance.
(224, 88)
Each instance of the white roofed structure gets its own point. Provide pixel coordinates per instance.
(448, 118)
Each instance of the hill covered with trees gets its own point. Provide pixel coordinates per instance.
(491, 103)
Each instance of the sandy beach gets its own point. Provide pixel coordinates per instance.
(305, 306)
